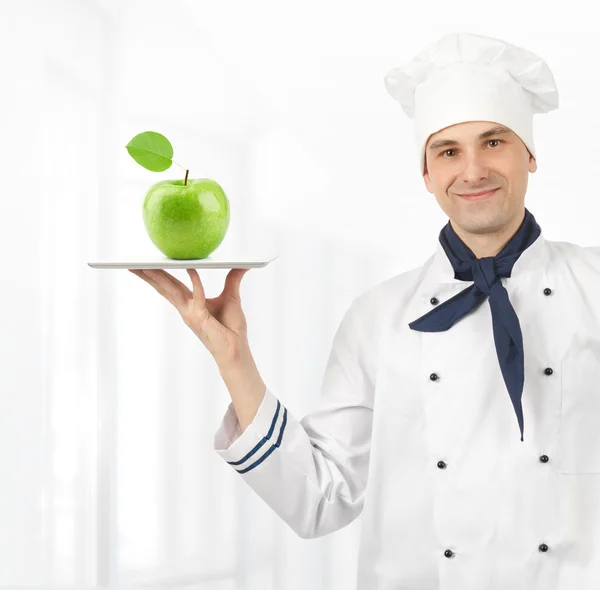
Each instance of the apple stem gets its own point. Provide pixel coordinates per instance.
(185, 180)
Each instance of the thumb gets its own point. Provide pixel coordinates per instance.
(233, 280)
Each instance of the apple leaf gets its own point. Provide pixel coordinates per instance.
(151, 150)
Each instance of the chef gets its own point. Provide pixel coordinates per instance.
(460, 407)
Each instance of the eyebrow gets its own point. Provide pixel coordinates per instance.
(493, 131)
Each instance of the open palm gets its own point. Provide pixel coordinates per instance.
(219, 322)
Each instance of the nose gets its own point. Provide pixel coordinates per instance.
(474, 174)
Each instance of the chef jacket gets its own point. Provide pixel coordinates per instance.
(416, 432)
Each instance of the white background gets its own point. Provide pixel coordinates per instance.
(108, 402)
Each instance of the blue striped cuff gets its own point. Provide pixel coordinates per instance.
(246, 451)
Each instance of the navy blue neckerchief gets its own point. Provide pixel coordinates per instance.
(486, 273)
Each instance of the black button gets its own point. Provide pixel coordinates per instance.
(544, 459)
(441, 465)
(448, 553)
(434, 301)
(433, 376)
(543, 547)
(548, 371)
(547, 291)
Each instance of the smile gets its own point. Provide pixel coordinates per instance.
(479, 197)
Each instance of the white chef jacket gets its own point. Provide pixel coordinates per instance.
(416, 431)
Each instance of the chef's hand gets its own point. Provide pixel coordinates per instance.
(218, 322)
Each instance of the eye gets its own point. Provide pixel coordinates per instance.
(452, 149)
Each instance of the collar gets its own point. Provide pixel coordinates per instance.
(441, 272)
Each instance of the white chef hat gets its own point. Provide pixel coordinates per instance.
(466, 77)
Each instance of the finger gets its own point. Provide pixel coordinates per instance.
(232, 283)
(175, 299)
(174, 280)
(167, 287)
(199, 294)
(140, 273)
(179, 284)
(147, 276)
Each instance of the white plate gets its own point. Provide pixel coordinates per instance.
(162, 262)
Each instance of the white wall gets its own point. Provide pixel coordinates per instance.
(108, 403)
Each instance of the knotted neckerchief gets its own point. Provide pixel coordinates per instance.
(486, 273)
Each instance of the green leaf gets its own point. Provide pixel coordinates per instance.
(151, 150)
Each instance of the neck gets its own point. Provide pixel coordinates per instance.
(489, 244)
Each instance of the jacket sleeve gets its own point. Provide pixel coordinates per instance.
(312, 472)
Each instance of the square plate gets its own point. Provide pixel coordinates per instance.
(150, 261)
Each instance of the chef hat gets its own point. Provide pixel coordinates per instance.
(467, 77)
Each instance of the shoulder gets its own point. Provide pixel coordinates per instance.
(374, 308)
(574, 256)
(390, 291)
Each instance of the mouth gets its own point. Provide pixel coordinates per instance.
(478, 196)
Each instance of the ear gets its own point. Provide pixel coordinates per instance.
(427, 179)
(532, 164)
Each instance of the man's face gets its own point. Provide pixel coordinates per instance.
(471, 163)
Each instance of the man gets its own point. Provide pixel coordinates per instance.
(460, 406)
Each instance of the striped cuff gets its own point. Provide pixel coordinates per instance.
(246, 450)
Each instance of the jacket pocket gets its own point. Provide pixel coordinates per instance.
(580, 414)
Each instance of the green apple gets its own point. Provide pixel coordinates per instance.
(186, 221)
